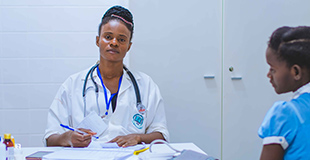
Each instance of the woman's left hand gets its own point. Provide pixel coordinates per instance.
(128, 140)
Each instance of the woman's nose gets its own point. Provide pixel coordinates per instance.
(114, 42)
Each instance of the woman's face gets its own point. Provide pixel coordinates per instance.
(113, 41)
(281, 76)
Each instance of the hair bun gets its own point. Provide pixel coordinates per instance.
(119, 11)
(277, 37)
(301, 32)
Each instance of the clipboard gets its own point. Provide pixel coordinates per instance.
(38, 155)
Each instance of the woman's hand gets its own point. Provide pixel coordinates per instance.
(133, 139)
(71, 138)
(76, 139)
(128, 140)
(79, 139)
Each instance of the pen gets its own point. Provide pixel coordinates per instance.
(139, 151)
(74, 129)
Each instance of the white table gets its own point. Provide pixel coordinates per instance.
(157, 149)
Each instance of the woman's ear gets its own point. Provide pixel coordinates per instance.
(296, 72)
(130, 43)
(97, 41)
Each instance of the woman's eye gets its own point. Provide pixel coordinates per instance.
(108, 37)
(122, 40)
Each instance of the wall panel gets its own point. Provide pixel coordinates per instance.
(41, 44)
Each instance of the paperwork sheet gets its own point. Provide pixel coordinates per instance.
(105, 145)
(88, 154)
(93, 122)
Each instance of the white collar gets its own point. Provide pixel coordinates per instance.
(304, 89)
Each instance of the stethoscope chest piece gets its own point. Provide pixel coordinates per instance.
(141, 108)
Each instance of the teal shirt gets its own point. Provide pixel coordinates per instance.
(290, 120)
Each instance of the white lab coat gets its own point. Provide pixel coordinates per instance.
(68, 106)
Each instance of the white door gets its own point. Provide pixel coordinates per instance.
(177, 43)
(247, 97)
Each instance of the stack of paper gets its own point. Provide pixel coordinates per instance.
(97, 151)
(88, 154)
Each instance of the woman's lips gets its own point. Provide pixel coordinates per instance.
(113, 51)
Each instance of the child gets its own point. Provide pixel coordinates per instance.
(286, 128)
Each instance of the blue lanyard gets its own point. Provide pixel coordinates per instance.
(105, 91)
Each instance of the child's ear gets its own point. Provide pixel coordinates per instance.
(296, 71)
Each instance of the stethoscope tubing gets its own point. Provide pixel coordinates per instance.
(84, 87)
(90, 73)
(87, 75)
(136, 87)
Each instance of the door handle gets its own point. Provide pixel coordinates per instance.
(208, 76)
(236, 78)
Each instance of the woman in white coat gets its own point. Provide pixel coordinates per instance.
(121, 121)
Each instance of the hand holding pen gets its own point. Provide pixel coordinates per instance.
(81, 130)
(74, 137)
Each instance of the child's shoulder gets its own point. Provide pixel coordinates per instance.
(281, 106)
(284, 109)
(303, 98)
(293, 104)
(278, 120)
(298, 109)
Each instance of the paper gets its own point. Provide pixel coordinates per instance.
(109, 145)
(114, 146)
(148, 155)
(88, 154)
(93, 122)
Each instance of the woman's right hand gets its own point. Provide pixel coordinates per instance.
(76, 139)
(71, 138)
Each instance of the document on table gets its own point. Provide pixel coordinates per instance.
(88, 154)
(114, 146)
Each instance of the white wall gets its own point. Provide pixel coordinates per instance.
(177, 43)
(42, 42)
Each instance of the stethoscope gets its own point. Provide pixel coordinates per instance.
(139, 105)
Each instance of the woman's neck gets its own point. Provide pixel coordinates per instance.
(111, 70)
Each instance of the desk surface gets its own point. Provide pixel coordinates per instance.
(157, 148)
